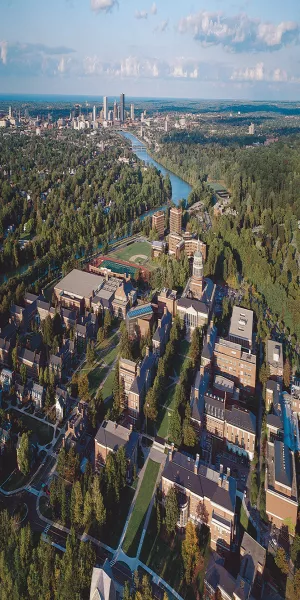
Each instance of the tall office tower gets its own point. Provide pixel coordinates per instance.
(115, 110)
(77, 111)
(105, 108)
(176, 220)
(122, 108)
(132, 112)
(110, 115)
(9, 112)
(94, 113)
(158, 223)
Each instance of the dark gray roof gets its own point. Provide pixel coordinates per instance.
(214, 406)
(217, 576)
(43, 304)
(195, 304)
(66, 313)
(161, 330)
(31, 297)
(180, 470)
(252, 548)
(241, 418)
(283, 464)
(28, 355)
(113, 436)
(275, 421)
(16, 310)
(276, 389)
(38, 389)
(8, 332)
(55, 360)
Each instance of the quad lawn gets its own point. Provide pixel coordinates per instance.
(43, 431)
(108, 385)
(107, 353)
(162, 553)
(168, 406)
(96, 376)
(133, 251)
(135, 527)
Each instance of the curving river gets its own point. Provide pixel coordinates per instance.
(180, 189)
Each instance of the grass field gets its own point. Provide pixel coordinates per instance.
(135, 527)
(134, 253)
(43, 432)
(168, 406)
(106, 352)
(108, 385)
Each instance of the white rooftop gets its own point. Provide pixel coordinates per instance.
(80, 284)
(241, 324)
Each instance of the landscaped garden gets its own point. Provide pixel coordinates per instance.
(135, 527)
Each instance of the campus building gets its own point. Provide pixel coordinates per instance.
(158, 223)
(176, 220)
(204, 496)
(77, 289)
(140, 320)
(109, 438)
(274, 359)
(241, 327)
(137, 379)
(281, 485)
(162, 333)
(231, 360)
(167, 298)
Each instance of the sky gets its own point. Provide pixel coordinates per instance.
(204, 49)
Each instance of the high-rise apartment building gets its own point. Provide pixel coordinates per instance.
(115, 110)
(132, 112)
(158, 223)
(105, 108)
(94, 113)
(122, 108)
(175, 220)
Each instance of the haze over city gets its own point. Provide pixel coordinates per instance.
(160, 49)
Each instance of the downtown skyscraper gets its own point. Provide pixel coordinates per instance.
(105, 108)
(122, 108)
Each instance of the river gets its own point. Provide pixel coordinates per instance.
(180, 189)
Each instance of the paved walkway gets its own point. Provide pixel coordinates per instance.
(141, 477)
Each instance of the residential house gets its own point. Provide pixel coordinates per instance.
(43, 309)
(204, 496)
(162, 333)
(7, 343)
(137, 379)
(62, 401)
(62, 361)
(37, 395)
(76, 435)
(109, 438)
(6, 379)
(85, 330)
(21, 392)
(31, 360)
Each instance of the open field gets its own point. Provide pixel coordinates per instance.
(138, 253)
(108, 385)
(135, 527)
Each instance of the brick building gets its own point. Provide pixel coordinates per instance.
(281, 485)
(109, 438)
(137, 379)
(231, 360)
(176, 220)
(204, 495)
(158, 223)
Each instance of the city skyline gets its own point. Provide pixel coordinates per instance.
(151, 49)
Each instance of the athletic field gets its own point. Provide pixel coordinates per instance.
(138, 253)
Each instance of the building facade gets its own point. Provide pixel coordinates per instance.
(176, 220)
(229, 359)
(158, 223)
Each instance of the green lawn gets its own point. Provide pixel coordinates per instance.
(163, 554)
(96, 376)
(108, 385)
(16, 481)
(43, 431)
(114, 526)
(111, 356)
(107, 352)
(244, 521)
(142, 248)
(169, 400)
(135, 527)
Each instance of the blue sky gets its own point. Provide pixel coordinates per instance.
(247, 49)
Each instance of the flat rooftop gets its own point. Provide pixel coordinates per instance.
(281, 468)
(241, 324)
(80, 284)
(275, 354)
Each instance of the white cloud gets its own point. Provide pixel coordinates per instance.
(103, 5)
(141, 14)
(239, 33)
(259, 72)
(153, 9)
(162, 26)
(61, 65)
(3, 53)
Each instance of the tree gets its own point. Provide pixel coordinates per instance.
(100, 335)
(175, 427)
(281, 561)
(195, 348)
(158, 517)
(189, 435)
(295, 550)
(14, 358)
(107, 323)
(23, 373)
(96, 408)
(87, 509)
(172, 510)
(125, 350)
(202, 512)
(190, 551)
(77, 503)
(90, 353)
(287, 373)
(150, 406)
(83, 387)
(99, 508)
(24, 454)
